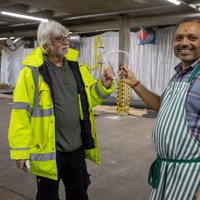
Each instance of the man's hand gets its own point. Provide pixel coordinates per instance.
(127, 75)
(21, 164)
(106, 78)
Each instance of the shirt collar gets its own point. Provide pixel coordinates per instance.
(51, 65)
(178, 68)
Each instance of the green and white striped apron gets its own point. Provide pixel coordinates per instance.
(175, 174)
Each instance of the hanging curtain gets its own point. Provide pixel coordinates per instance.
(11, 64)
(153, 64)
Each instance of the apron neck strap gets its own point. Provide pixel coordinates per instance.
(194, 73)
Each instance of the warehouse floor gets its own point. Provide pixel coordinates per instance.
(126, 152)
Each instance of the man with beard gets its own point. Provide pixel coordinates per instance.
(52, 122)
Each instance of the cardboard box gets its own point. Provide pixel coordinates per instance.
(4, 86)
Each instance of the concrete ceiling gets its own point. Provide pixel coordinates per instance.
(86, 16)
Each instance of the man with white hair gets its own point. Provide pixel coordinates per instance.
(52, 123)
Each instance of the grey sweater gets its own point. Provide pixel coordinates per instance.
(66, 107)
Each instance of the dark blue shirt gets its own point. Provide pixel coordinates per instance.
(192, 103)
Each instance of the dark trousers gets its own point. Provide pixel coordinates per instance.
(72, 170)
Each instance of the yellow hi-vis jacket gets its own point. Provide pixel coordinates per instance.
(31, 132)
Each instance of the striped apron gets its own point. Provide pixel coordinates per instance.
(175, 174)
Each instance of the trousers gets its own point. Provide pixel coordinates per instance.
(72, 170)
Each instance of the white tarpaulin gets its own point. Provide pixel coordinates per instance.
(153, 64)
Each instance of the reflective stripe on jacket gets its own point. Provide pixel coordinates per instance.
(32, 124)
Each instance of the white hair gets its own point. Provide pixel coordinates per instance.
(48, 29)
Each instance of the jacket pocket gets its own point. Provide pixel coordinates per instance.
(44, 95)
(40, 132)
(37, 145)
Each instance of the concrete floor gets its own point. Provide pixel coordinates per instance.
(126, 152)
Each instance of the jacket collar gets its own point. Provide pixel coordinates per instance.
(36, 59)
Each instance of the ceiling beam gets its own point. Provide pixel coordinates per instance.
(109, 25)
(132, 11)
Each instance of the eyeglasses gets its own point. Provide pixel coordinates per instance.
(61, 39)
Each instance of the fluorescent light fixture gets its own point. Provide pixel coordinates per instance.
(23, 16)
(175, 2)
(192, 6)
(5, 38)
